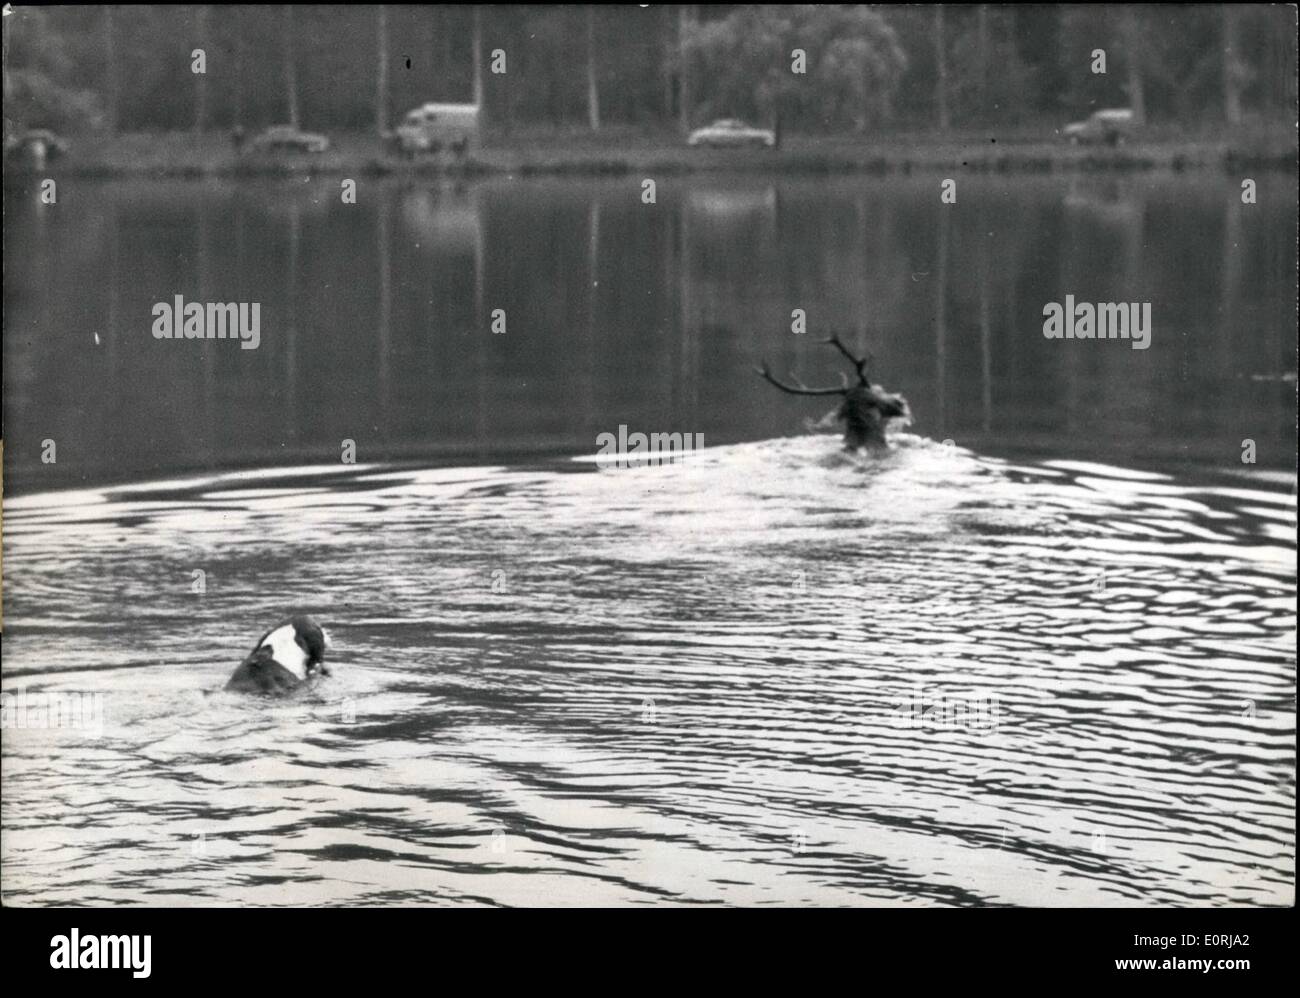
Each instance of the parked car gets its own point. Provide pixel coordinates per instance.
(731, 132)
(35, 147)
(1111, 125)
(286, 138)
(432, 128)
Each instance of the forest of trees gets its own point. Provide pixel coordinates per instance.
(129, 68)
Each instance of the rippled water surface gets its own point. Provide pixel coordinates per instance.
(769, 674)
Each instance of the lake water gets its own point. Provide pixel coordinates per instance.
(1050, 661)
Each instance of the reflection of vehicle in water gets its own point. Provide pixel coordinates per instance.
(731, 132)
(433, 128)
(286, 138)
(732, 203)
(721, 222)
(34, 147)
(443, 219)
(1103, 199)
(1111, 125)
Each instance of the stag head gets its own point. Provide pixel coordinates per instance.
(866, 407)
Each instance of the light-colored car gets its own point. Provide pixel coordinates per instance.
(1110, 125)
(289, 139)
(432, 128)
(731, 132)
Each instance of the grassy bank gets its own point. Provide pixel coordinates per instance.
(623, 150)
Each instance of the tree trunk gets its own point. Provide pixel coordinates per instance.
(982, 38)
(204, 14)
(381, 83)
(434, 68)
(1133, 48)
(241, 99)
(593, 89)
(290, 65)
(1280, 82)
(941, 58)
(439, 52)
(684, 17)
(110, 67)
(477, 42)
(666, 26)
(1231, 68)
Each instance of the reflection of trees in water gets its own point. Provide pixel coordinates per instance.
(941, 320)
(291, 323)
(376, 315)
(589, 348)
(383, 254)
(986, 332)
(203, 254)
(112, 319)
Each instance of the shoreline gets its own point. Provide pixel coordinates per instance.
(623, 152)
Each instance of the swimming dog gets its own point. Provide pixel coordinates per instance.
(285, 658)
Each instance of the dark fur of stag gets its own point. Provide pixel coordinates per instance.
(866, 408)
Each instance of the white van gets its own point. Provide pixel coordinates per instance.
(434, 128)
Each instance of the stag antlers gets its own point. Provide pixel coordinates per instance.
(799, 388)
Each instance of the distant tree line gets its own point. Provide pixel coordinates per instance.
(130, 68)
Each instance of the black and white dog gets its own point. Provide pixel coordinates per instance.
(284, 659)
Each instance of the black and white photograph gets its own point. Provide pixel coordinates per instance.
(614, 456)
